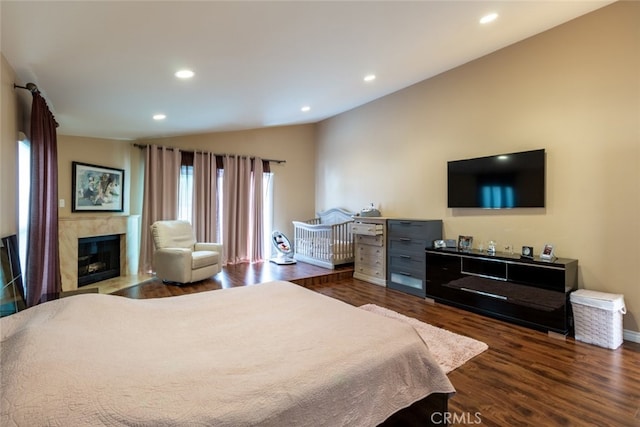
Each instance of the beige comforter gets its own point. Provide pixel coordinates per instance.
(273, 354)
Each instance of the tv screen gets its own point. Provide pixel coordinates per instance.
(505, 181)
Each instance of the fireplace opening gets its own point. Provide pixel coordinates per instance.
(98, 258)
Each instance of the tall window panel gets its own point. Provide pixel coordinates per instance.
(185, 202)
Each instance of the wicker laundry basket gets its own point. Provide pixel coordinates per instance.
(598, 317)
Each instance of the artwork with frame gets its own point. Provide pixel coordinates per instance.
(96, 188)
(465, 243)
(548, 252)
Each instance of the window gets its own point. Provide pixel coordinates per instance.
(24, 192)
(185, 202)
(185, 193)
(267, 185)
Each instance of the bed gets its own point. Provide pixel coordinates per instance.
(325, 241)
(272, 354)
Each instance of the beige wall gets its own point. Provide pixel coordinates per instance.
(293, 180)
(573, 90)
(95, 151)
(8, 152)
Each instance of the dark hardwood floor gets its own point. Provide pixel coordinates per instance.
(526, 378)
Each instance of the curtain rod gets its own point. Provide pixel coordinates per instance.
(31, 87)
(215, 154)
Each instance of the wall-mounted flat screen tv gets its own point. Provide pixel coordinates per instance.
(505, 181)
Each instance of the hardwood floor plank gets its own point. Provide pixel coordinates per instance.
(526, 378)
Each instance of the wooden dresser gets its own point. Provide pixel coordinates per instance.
(370, 249)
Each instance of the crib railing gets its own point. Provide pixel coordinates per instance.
(326, 245)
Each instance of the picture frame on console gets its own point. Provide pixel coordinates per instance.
(465, 243)
(548, 252)
(96, 188)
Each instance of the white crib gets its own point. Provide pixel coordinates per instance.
(325, 241)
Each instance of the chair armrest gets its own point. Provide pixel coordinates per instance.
(173, 253)
(173, 263)
(215, 247)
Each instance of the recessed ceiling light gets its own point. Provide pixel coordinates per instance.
(369, 77)
(305, 109)
(488, 18)
(159, 116)
(184, 74)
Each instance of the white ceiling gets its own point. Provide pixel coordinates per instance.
(105, 67)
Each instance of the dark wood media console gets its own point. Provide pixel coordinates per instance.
(532, 293)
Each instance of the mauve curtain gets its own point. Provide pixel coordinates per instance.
(205, 197)
(242, 210)
(43, 256)
(160, 200)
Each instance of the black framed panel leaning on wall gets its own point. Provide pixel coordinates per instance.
(13, 292)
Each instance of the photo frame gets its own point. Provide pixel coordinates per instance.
(548, 252)
(96, 188)
(465, 243)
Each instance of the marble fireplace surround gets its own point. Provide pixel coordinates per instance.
(70, 229)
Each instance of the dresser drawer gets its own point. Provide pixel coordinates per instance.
(370, 240)
(370, 237)
(408, 263)
(367, 229)
(377, 263)
(406, 282)
(407, 245)
(402, 228)
(369, 252)
(368, 271)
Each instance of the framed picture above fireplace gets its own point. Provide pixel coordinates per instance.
(97, 188)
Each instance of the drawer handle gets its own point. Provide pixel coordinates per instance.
(405, 257)
(405, 239)
(486, 276)
(405, 274)
(486, 294)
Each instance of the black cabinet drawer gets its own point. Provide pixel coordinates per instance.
(484, 267)
(441, 269)
(550, 316)
(549, 278)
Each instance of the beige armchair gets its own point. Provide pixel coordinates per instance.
(177, 257)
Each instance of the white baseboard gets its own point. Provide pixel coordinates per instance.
(633, 336)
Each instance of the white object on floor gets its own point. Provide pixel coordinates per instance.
(283, 246)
